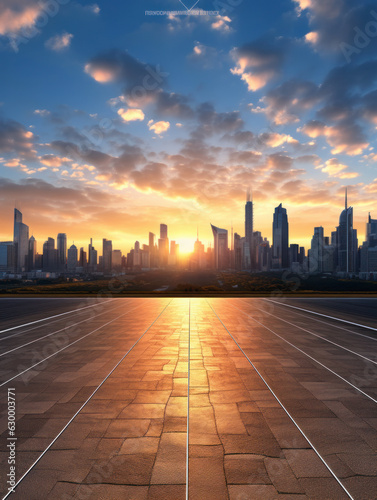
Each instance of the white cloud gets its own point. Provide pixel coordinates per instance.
(158, 127)
(221, 24)
(42, 112)
(59, 42)
(131, 115)
(18, 14)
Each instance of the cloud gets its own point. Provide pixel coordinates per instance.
(14, 138)
(130, 115)
(205, 56)
(336, 169)
(258, 62)
(213, 122)
(18, 14)
(59, 42)
(222, 24)
(158, 127)
(343, 138)
(53, 161)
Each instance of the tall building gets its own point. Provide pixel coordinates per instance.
(280, 238)
(72, 259)
(371, 227)
(107, 251)
(249, 230)
(7, 256)
(368, 251)
(92, 257)
(163, 245)
(346, 239)
(117, 259)
(20, 241)
(221, 249)
(62, 250)
(317, 251)
(82, 259)
(32, 254)
(50, 255)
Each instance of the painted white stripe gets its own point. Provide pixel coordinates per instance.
(320, 314)
(286, 411)
(50, 317)
(84, 404)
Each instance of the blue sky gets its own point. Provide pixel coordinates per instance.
(112, 121)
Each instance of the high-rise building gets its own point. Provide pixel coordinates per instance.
(82, 259)
(20, 241)
(117, 259)
(72, 259)
(61, 241)
(221, 249)
(50, 255)
(371, 227)
(317, 251)
(7, 256)
(32, 253)
(163, 245)
(280, 238)
(107, 251)
(249, 230)
(346, 240)
(92, 257)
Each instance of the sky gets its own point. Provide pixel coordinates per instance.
(113, 121)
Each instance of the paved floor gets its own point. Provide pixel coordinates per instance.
(247, 398)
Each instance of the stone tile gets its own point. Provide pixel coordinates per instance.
(207, 479)
(170, 465)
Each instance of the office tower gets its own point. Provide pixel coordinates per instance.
(346, 239)
(249, 224)
(163, 245)
(32, 253)
(301, 255)
(50, 255)
(7, 256)
(107, 250)
(20, 241)
(82, 259)
(264, 255)
(368, 251)
(117, 259)
(371, 228)
(221, 251)
(72, 259)
(237, 245)
(152, 250)
(173, 255)
(92, 257)
(280, 238)
(62, 250)
(316, 251)
(293, 253)
(151, 241)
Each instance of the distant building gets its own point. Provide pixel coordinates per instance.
(92, 257)
(163, 246)
(20, 241)
(346, 240)
(32, 254)
(221, 248)
(7, 256)
(117, 259)
(249, 232)
(280, 238)
(62, 250)
(107, 251)
(50, 256)
(72, 259)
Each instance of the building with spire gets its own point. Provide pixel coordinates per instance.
(346, 241)
(21, 242)
(280, 239)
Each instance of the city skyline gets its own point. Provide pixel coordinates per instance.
(125, 119)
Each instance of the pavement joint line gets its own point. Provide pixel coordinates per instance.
(329, 324)
(84, 404)
(50, 317)
(66, 347)
(320, 314)
(284, 408)
(57, 331)
(309, 356)
(188, 403)
(320, 337)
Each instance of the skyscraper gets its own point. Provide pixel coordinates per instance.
(32, 253)
(62, 250)
(21, 241)
(346, 239)
(163, 245)
(249, 225)
(316, 251)
(221, 250)
(50, 255)
(280, 238)
(72, 258)
(107, 251)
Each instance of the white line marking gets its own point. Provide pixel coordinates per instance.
(188, 405)
(326, 323)
(57, 331)
(286, 411)
(50, 317)
(83, 405)
(308, 355)
(320, 337)
(324, 315)
(66, 347)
